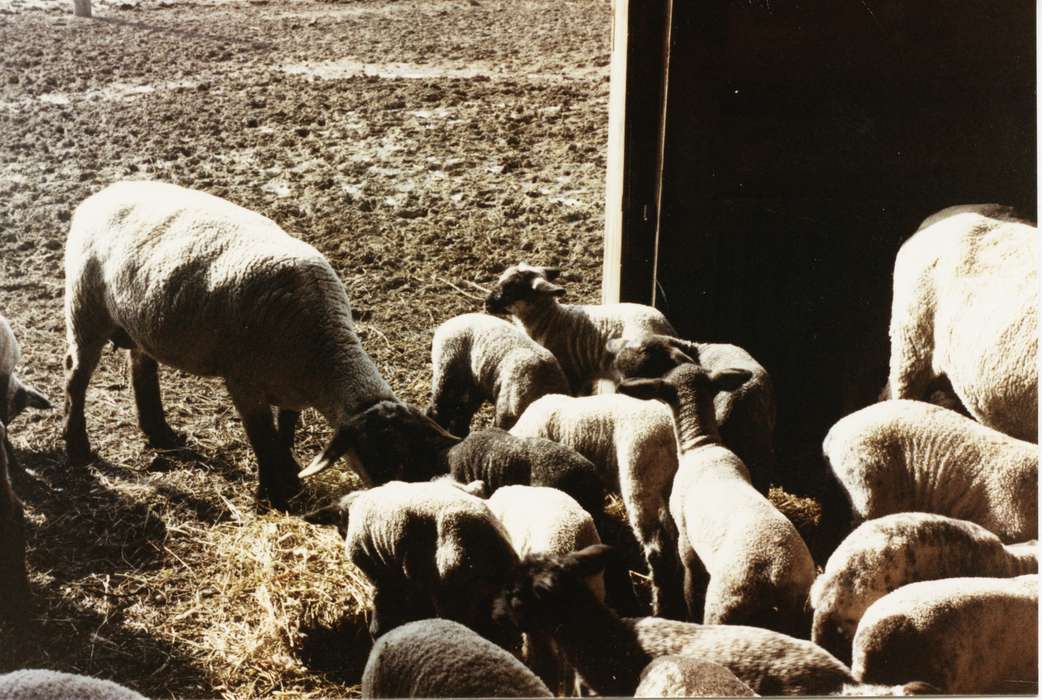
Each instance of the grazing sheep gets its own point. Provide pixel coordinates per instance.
(476, 358)
(685, 677)
(443, 659)
(41, 684)
(966, 307)
(884, 554)
(962, 635)
(549, 593)
(760, 570)
(746, 416)
(633, 445)
(897, 456)
(429, 549)
(15, 395)
(575, 333)
(197, 283)
(14, 583)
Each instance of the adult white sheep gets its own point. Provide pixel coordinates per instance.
(965, 306)
(477, 358)
(15, 394)
(634, 447)
(444, 659)
(962, 635)
(192, 281)
(42, 684)
(745, 416)
(575, 333)
(897, 456)
(14, 583)
(760, 570)
(429, 549)
(889, 552)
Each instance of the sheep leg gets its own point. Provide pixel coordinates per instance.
(80, 364)
(696, 580)
(394, 606)
(275, 464)
(13, 466)
(144, 375)
(288, 427)
(542, 657)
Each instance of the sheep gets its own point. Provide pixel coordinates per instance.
(429, 549)
(904, 455)
(746, 416)
(549, 593)
(685, 677)
(443, 659)
(760, 570)
(632, 443)
(42, 684)
(541, 520)
(15, 394)
(965, 306)
(962, 635)
(14, 582)
(574, 333)
(476, 358)
(884, 554)
(183, 278)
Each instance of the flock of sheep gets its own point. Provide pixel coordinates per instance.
(486, 550)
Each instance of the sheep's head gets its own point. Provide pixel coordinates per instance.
(649, 356)
(520, 285)
(688, 382)
(337, 513)
(543, 590)
(20, 396)
(389, 440)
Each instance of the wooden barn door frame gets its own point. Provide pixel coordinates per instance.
(641, 35)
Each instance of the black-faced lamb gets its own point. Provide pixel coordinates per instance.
(14, 582)
(633, 445)
(42, 684)
(575, 333)
(745, 416)
(965, 306)
(15, 394)
(189, 280)
(884, 554)
(444, 659)
(550, 594)
(686, 677)
(429, 549)
(961, 635)
(897, 456)
(477, 358)
(760, 570)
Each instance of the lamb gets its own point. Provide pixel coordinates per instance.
(429, 549)
(746, 416)
(195, 282)
(904, 455)
(632, 443)
(476, 358)
(965, 306)
(884, 554)
(575, 333)
(962, 635)
(41, 684)
(549, 593)
(684, 677)
(14, 582)
(443, 659)
(760, 570)
(15, 394)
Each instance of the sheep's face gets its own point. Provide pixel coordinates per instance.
(543, 591)
(648, 357)
(523, 285)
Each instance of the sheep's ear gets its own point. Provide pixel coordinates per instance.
(589, 561)
(615, 346)
(475, 488)
(342, 444)
(34, 399)
(729, 379)
(919, 688)
(685, 346)
(679, 357)
(336, 513)
(543, 286)
(550, 273)
(648, 389)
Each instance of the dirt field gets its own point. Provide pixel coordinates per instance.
(422, 146)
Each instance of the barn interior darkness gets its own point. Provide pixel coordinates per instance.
(804, 141)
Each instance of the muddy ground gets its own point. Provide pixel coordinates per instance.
(421, 146)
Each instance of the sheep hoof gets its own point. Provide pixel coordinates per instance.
(166, 439)
(78, 456)
(279, 498)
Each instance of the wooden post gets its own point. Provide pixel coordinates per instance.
(81, 8)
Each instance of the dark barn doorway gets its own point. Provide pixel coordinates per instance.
(768, 157)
